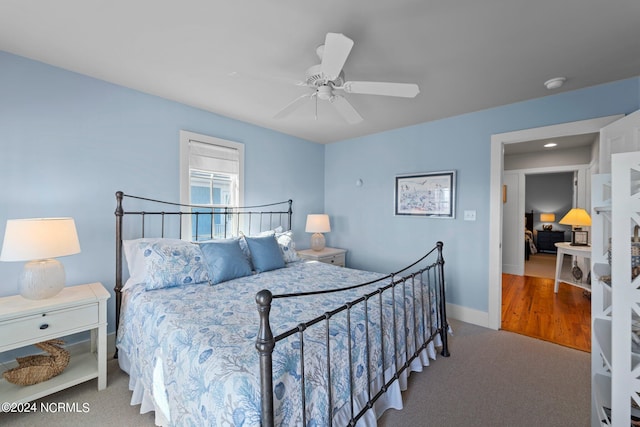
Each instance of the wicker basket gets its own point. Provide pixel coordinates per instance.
(38, 368)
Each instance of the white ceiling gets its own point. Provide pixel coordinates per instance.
(241, 59)
(562, 143)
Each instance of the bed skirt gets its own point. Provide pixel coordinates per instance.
(392, 399)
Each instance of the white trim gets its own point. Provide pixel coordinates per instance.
(185, 137)
(468, 315)
(495, 196)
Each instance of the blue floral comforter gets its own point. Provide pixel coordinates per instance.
(192, 348)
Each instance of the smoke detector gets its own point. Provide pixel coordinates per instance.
(555, 83)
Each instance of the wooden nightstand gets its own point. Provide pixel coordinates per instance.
(333, 256)
(75, 309)
(547, 240)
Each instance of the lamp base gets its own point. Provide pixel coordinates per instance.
(41, 279)
(317, 241)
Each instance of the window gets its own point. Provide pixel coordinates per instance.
(211, 172)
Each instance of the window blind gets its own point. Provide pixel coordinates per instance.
(213, 158)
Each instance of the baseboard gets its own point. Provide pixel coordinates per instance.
(468, 315)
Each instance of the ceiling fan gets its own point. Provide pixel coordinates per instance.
(327, 77)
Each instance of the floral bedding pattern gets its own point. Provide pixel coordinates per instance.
(204, 338)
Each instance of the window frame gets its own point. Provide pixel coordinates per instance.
(185, 181)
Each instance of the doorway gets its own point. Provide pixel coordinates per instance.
(530, 306)
(498, 143)
(547, 198)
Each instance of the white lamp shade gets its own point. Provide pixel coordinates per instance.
(39, 238)
(318, 223)
(576, 217)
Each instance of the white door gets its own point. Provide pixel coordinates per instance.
(512, 226)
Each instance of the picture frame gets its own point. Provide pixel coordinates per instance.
(579, 238)
(430, 194)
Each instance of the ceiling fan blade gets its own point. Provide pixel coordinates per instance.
(345, 109)
(405, 90)
(336, 50)
(293, 105)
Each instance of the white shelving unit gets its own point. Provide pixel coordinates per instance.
(615, 303)
(600, 299)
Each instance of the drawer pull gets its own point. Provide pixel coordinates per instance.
(44, 326)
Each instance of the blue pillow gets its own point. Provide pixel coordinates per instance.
(265, 253)
(225, 260)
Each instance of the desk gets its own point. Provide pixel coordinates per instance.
(565, 248)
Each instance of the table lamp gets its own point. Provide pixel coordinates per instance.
(577, 218)
(317, 224)
(547, 217)
(38, 241)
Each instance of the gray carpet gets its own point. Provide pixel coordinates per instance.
(493, 378)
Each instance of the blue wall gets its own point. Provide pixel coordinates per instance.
(68, 142)
(362, 216)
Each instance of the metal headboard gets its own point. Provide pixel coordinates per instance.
(232, 221)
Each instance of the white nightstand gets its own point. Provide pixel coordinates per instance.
(333, 256)
(75, 309)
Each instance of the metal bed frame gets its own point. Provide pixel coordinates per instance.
(426, 281)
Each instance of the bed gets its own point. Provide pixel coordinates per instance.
(529, 244)
(301, 343)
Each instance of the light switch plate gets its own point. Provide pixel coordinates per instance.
(469, 215)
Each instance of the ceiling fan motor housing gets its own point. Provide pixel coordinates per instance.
(316, 78)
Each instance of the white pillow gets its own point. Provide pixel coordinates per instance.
(287, 246)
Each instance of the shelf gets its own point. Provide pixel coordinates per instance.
(602, 333)
(569, 279)
(82, 367)
(601, 209)
(602, 397)
(601, 270)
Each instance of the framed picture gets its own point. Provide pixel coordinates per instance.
(579, 238)
(426, 194)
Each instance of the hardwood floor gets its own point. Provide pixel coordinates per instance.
(531, 308)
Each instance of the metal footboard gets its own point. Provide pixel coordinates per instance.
(422, 321)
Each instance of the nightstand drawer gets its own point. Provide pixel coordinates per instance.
(333, 256)
(335, 259)
(48, 323)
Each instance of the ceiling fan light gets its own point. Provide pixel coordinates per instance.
(324, 92)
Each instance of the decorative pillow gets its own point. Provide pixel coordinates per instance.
(243, 242)
(163, 263)
(136, 262)
(287, 246)
(225, 260)
(265, 253)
